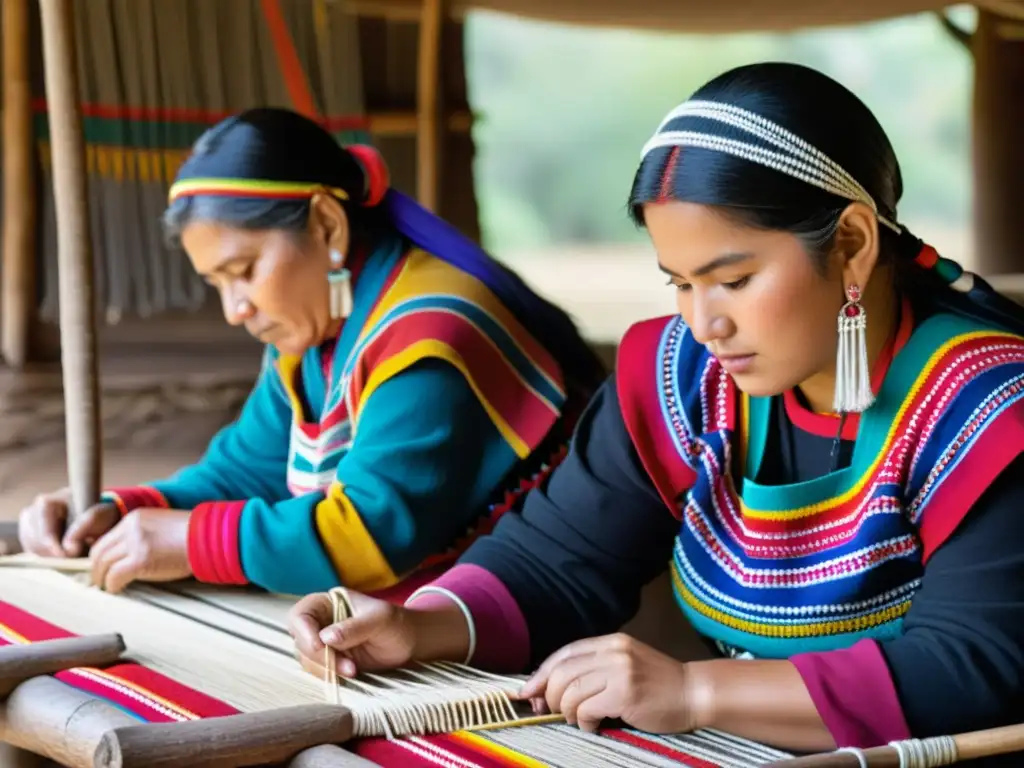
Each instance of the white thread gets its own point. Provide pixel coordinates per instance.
(898, 746)
(470, 624)
(795, 156)
(245, 631)
(926, 753)
(858, 753)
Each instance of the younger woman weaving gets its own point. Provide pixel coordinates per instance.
(411, 389)
(840, 510)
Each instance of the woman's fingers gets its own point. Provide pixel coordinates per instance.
(306, 620)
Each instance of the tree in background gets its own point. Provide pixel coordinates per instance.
(565, 111)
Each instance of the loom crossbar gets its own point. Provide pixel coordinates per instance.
(18, 663)
(48, 718)
(256, 738)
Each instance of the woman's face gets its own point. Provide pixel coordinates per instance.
(274, 282)
(754, 298)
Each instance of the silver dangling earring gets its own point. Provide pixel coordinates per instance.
(853, 378)
(339, 281)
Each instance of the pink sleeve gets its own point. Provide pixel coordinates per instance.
(854, 694)
(502, 638)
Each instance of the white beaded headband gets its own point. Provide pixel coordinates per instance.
(794, 156)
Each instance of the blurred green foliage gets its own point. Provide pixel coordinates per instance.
(565, 110)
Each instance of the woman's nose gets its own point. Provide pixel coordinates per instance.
(707, 323)
(237, 309)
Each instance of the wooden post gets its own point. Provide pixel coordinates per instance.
(18, 294)
(74, 254)
(998, 113)
(430, 129)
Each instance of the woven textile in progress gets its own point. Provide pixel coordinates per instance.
(198, 652)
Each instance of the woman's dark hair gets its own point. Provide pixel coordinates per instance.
(271, 144)
(278, 145)
(834, 121)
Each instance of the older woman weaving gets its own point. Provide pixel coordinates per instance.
(412, 388)
(823, 448)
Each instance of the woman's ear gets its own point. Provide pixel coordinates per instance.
(328, 223)
(857, 244)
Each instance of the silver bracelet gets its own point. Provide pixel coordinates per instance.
(470, 624)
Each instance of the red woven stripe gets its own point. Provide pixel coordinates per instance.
(213, 543)
(658, 748)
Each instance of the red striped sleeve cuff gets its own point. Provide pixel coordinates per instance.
(213, 543)
(129, 499)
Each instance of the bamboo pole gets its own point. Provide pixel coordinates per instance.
(19, 207)
(430, 129)
(74, 255)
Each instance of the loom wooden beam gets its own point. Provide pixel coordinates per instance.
(973, 745)
(19, 663)
(399, 123)
(46, 717)
(74, 254)
(837, 760)
(17, 295)
(998, 153)
(254, 738)
(430, 130)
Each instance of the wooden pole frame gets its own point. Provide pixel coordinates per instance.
(431, 123)
(19, 205)
(74, 255)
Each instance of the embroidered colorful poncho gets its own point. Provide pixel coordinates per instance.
(778, 570)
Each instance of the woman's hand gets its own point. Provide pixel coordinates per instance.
(378, 636)
(147, 545)
(616, 676)
(41, 526)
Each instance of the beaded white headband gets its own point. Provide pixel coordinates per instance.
(794, 156)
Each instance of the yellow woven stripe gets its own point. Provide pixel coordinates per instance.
(423, 275)
(143, 692)
(124, 164)
(16, 637)
(287, 366)
(485, 745)
(788, 630)
(357, 559)
(864, 479)
(743, 444)
(430, 348)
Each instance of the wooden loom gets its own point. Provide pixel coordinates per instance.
(211, 673)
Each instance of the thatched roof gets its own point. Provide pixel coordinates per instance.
(696, 15)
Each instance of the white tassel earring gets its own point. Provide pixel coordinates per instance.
(853, 378)
(339, 282)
